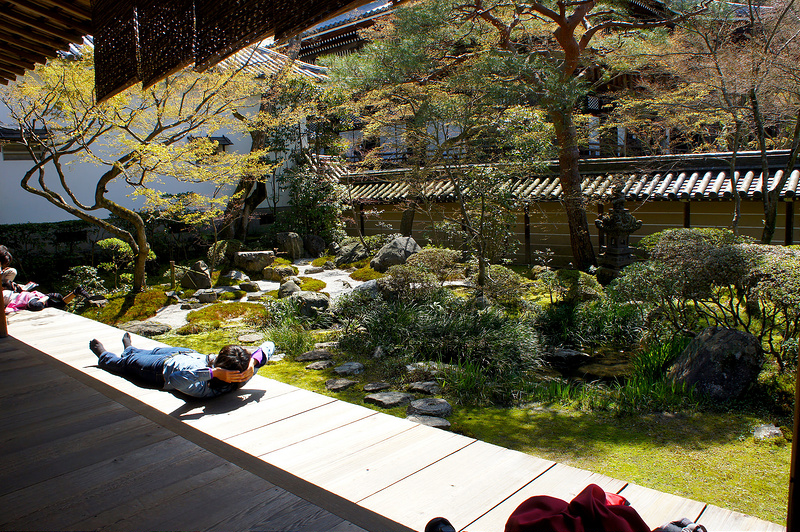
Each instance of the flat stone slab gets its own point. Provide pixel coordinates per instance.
(376, 386)
(320, 365)
(428, 387)
(435, 422)
(430, 406)
(251, 338)
(349, 368)
(146, 328)
(315, 354)
(337, 385)
(389, 399)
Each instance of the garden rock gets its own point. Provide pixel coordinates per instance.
(427, 387)
(431, 421)
(206, 296)
(370, 288)
(389, 399)
(352, 252)
(277, 274)
(314, 269)
(329, 265)
(146, 328)
(249, 286)
(721, 363)
(337, 385)
(433, 368)
(315, 354)
(311, 303)
(232, 277)
(197, 277)
(566, 359)
(191, 305)
(291, 244)
(288, 288)
(349, 368)
(767, 432)
(253, 261)
(320, 365)
(395, 252)
(430, 406)
(251, 338)
(315, 245)
(376, 387)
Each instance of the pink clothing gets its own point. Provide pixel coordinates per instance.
(19, 300)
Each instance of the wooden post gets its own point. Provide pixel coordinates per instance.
(788, 240)
(527, 236)
(601, 235)
(794, 486)
(3, 324)
(687, 215)
(172, 273)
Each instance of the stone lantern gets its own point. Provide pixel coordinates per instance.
(617, 225)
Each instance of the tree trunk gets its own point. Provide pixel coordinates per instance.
(574, 204)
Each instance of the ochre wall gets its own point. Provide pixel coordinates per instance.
(548, 227)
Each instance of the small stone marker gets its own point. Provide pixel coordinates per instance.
(337, 385)
(428, 387)
(320, 364)
(435, 422)
(767, 432)
(430, 406)
(315, 354)
(389, 399)
(376, 387)
(251, 338)
(349, 368)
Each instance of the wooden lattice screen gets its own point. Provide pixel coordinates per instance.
(146, 40)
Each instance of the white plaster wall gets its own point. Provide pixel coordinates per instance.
(20, 206)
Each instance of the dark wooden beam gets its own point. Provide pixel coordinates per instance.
(788, 239)
(11, 68)
(25, 53)
(19, 42)
(82, 23)
(43, 27)
(31, 36)
(6, 58)
(528, 256)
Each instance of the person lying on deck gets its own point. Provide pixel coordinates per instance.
(183, 369)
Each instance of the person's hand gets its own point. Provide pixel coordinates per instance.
(227, 375)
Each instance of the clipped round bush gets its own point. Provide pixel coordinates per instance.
(441, 262)
(505, 287)
(312, 285)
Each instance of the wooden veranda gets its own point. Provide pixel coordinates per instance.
(85, 449)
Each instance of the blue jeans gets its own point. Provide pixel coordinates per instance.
(144, 364)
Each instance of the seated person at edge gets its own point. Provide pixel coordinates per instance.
(7, 273)
(183, 369)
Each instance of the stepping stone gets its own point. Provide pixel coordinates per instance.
(190, 306)
(251, 338)
(430, 406)
(376, 386)
(389, 399)
(146, 328)
(337, 385)
(315, 354)
(349, 368)
(435, 422)
(326, 345)
(314, 269)
(320, 364)
(428, 387)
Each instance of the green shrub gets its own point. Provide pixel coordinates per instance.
(319, 262)
(505, 287)
(408, 283)
(222, 252)
(85, 276)
(441, 262)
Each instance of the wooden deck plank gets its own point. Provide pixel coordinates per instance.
(560, 481)
(722, 520)
(460, 486)
(298, 428)
(107, 474)
(657, 508)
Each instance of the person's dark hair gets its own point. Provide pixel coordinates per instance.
(234, 358)
(5, 256)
